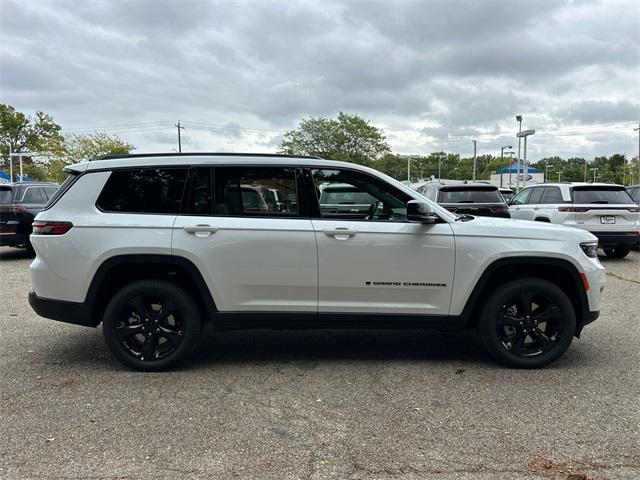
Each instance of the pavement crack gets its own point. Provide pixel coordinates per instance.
(624, 279)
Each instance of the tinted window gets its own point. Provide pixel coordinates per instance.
(522, 197)
(635, 194)
(600, 195)
(256, 191)
(469, 195)
(66, 185)
(199, 199)
(535, 196)
(552, 195)
(5, 194)
(508, 195)
(144, 190)
(33, 195)
(345, 194)
(49, 191)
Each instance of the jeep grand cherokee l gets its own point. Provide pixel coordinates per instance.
(152, 246)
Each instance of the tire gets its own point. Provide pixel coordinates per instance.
(521, 337)
(619, 251)
(136, 325)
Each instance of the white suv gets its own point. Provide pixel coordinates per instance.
(151, 246)
(604, 209)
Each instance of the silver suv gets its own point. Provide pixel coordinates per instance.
(606, 210)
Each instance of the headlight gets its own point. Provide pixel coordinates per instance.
(590, 249)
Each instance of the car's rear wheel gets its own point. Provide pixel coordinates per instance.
(152, 325)
(619, 251)
(527, 323)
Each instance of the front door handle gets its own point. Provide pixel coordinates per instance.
(201, 230)
(340, 233)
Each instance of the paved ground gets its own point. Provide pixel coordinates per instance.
(348, 405)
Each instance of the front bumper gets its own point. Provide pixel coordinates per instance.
(617, 238)
(62, 311)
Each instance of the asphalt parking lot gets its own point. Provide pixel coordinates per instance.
(352, 405)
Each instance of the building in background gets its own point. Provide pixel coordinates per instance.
(508, 177)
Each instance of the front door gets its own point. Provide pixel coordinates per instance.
(373, 260)
(241, 226)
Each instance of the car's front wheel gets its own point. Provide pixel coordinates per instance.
(152, 325)
(527, 323)
(619, 251)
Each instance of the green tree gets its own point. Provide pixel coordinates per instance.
(349, 137)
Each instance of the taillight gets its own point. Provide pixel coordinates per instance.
(633, 209)
(51, 228)
(573, 209)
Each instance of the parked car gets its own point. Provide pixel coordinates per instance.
(19, 204)
(153, 246)
(481, 199)
(507, 193)
(341, 200)
(606, 210)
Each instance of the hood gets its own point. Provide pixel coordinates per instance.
(523, 229)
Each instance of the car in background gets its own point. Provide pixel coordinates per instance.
(19, 204)
(482, 199)
(341, 200)
(606, 210)
(506, 193)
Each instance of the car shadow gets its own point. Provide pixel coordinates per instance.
(9, 253)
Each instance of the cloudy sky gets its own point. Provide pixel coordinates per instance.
(433, 75)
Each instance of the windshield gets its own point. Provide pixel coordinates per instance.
(470, 195)
(5, 194)
(602, 195)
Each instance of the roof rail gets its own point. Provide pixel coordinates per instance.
(205, 154)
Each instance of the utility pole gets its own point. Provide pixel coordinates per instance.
(546, 170)
(595, 171)
(638, 130)
(10, 164)
(585, 170)
(409, 169)
(519, 120)
(179, 127)
(559, 175)
(474, 159)
(439, 166)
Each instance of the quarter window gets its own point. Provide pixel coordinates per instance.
(144, 190)
(256, 191)
(349, 195)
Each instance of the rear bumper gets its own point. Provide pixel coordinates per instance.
(13, 239)
(62, 311)
(616, 238)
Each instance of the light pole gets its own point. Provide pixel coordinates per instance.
(519, 120)
(19, 155)
(585, 170)
(440, 165)
(559, 175)
(595, 171)
(511, 154)
(546, 170)
(502, 162)
(524, 134)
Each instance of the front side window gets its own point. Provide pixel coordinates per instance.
(522, 197)
(345, 194)
(256, 191)
(143, 190)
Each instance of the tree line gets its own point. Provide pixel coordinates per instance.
(349, 138)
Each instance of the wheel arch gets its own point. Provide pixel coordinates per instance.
(558, 271)
(120, 270)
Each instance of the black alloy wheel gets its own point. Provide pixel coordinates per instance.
(152, 325)
(527, 323)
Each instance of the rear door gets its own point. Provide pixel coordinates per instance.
(255, 255)
(516, 207)
(604, 208)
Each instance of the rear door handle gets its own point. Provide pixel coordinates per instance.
(201, 230)
(340, 233)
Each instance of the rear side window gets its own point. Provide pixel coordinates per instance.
(256, 191)
(5, 194)
(143, 190)
(552, 195)
(49, 191)
(604, 195)
(33, 195)
(470, 195)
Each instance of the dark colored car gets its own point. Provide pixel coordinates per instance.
(482, 199)
(507, 193)
(342, 200)
(19, 204)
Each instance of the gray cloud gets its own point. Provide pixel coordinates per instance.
(433, 74)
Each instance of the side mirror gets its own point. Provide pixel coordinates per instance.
(420, 212)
